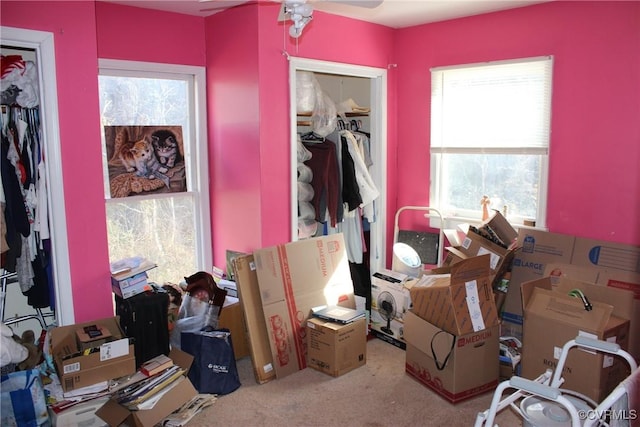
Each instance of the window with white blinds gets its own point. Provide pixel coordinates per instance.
(490, 126)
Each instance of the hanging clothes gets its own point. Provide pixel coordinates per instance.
(368, 190)
(324, 165)
(25, 214)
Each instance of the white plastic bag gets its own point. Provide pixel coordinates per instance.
(194, 315)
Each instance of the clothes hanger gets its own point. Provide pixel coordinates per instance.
(311, 137)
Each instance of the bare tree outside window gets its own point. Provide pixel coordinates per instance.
(160, 225)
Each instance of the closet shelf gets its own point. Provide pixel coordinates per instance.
(348, 114)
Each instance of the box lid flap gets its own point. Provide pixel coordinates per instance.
(526, 289)
(568, 310)
(470, 269)
(499, 224)
(112, 413)
(457, 252)
(620, 299)
(181, 358)
(426, 337)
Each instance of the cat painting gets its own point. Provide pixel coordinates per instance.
(144, 159)
(165, 146)
(147, 164)
(139, 157)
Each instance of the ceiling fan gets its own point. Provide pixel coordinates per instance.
(300, 12)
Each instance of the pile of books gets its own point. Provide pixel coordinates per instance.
(129, 276)
(158, 376)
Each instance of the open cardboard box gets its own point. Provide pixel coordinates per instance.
(538, 249)
(461, 300)
(77, 368)
(115, 414)
(552, 317)
(606, 277)
(455, 367)
(475, 244)
(293, 278)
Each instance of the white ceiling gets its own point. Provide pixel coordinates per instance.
(391, 13)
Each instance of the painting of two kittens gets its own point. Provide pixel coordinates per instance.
(145, 153)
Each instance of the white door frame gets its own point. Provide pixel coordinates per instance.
(378, 78)
(43, 44)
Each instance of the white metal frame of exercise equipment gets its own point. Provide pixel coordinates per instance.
(547, 386)
(7, 277)
(429, 211)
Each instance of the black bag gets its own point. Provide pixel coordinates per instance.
(144, 317)
(214, 369)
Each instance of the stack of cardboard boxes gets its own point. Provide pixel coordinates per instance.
(543, 254)
(553, 316)
(278, 288)
(131, 279)
(80, 365)
(452, 331)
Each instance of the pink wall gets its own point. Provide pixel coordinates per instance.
(595, 109)
(595, 141)
(73, 26)
(136, 34)
(248, 79)
(234, 131)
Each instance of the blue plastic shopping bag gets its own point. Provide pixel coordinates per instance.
(23, 401)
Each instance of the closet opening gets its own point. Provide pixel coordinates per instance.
(29, 102)
(346, 134)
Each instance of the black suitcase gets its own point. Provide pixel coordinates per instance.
(144, 317)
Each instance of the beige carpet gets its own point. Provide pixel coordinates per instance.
(377, 394)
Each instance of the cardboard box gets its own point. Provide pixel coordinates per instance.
(459, 302)
(76, 369)
(293, 278)
(500, 258)
(130, 286)
(335, 348)
(231, 318)
(605, 277)
(500, 246)
(631, 282)
(540, 249)
(609, 255)
(386, 318)
(257, 335)
(115, 414)
(502, 229)
(552, 317)
(128, 282)
(455, 367)
(537, 249)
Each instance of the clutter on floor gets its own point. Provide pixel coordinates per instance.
(496, 313)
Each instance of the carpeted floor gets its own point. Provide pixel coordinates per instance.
(375, 395)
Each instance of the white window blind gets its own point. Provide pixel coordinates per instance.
(494, 105)
(490, 129)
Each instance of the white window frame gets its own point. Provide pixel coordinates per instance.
(467, 216)
(197, 162)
